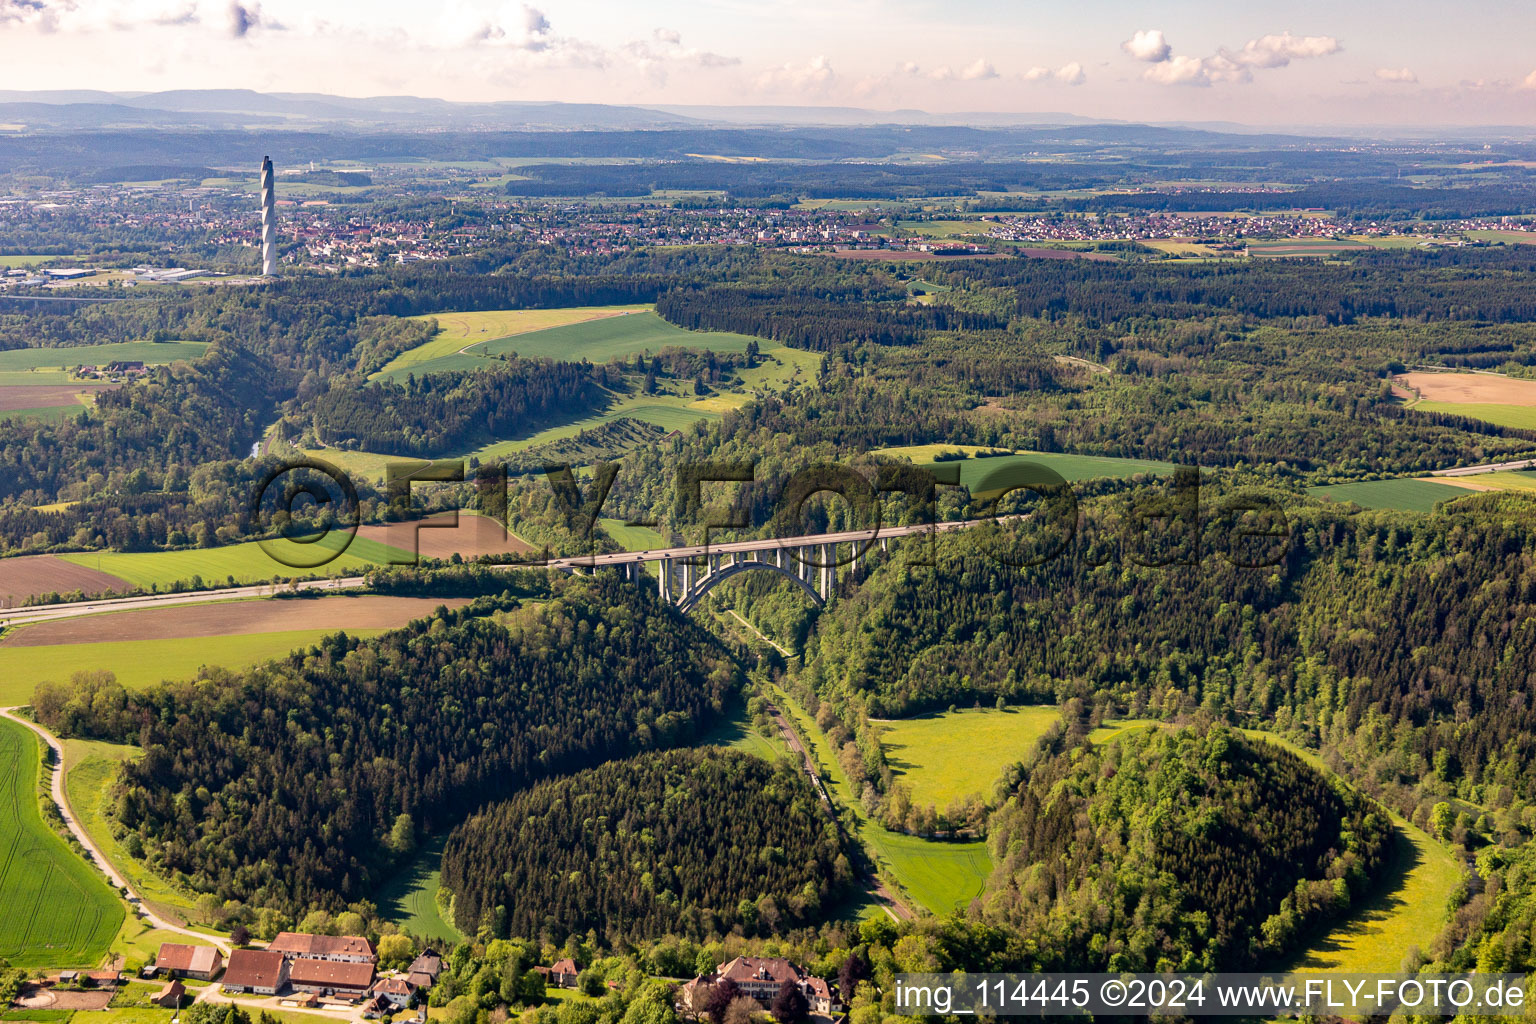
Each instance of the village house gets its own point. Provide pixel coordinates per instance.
(201, 963)
(257, 972)
(342, 978)
(396, 990)
(563, 973)
(761, 977)
(349, 949)
(424, 969)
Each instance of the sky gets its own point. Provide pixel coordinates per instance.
(1255, 62)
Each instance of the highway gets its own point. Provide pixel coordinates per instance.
(69, 610)
(1490, 467)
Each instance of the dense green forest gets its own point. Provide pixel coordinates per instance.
(332, 762)
(691, 843)
(1176, 851)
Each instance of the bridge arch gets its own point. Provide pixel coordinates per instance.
(705, 583)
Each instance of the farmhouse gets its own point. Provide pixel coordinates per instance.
(201, 963)
(563, 974)
(760, 977)
(331, 977)
(348, 949)
(424, 969)
(170, 997)
(394, 990)
(258, 972)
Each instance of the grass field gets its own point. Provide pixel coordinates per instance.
(90, 773)
(1407, 495)
(55, 911)
(1411, 901)
(948, 757)
(148, 352)
(458, 330)
(1506, 480)
(1520, 416)
(45, 414)
(940, 876)
(247, 563)
(619, 336)
(734, 730)
(409, 898)
(595, 333)
(1072, 468)
(140, 663)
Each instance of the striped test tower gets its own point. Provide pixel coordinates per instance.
(268, 219)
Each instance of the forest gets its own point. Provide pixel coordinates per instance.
(693, 843)
(1177, 850)
(333, 762)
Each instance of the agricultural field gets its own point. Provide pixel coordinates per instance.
(1304, 247)
(1177, 247)
(230, 618)
(437, 537)
(55, 911)
(409, 899)
(1522, 417)
(600, 340)
(974, 471)
(140, 663)
(1408, 495)
(151, 353)
(244, 563)
(632, 538)
(950, 756)
(460, 331)
(1505, 480)
(32, 575)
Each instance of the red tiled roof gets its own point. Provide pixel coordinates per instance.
(395, 985)
(253, 968)
(330, 974)
(174, 956)
(566, 966)
(760, 968)
(299, 944)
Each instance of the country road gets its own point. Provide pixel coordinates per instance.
(93, 852)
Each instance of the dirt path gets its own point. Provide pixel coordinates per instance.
(877, 889)
(94, 854)
(760, 634)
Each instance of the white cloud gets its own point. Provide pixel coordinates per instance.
(524, 29)
(1530, 80)
(815, 77)
(1179, 70)
(1403, 75)
(1148, 45)
(978, 70)
(1071, 74)
(1271, 51)
(243, 19)
(666, 49)
(1277, 51)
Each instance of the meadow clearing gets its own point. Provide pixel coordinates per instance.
(1406, 494)
(150, 353)
(409, 898)
(249, 562)
(950, 756)
(974, 471)
(937, 875)
(55, 911)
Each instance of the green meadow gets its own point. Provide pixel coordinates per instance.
(939, 876)
(947, 757)
(141, 663)
(246, 563)
(1406, 495)
(409, 899)
(1522, 417)
(147, 352)
(974, 471)
(55, 910)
